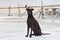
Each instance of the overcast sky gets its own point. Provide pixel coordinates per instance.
(29, 2)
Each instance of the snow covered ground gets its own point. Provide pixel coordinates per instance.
(14, 28)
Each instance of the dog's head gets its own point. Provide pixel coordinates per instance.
(29, 11)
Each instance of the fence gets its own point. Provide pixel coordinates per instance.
(21, 11)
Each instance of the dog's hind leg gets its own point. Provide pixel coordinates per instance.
(27, 31)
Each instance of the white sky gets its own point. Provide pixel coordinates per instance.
(29, 2)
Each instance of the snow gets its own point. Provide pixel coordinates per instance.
(14, 28)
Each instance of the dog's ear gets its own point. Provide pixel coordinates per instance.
(27, 9)
(32, 9)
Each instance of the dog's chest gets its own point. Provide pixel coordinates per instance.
(31, 21)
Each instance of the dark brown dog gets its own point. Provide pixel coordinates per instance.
(32, 24)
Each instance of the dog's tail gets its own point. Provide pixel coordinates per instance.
(46, 34)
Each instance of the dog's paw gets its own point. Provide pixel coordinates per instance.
(26, 36)
(30, 36)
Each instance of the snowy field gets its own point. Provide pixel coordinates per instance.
(14, 28)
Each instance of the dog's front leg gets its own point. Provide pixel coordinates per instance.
(31, 33)
(27, 31)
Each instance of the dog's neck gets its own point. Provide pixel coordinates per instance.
(30, 16)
